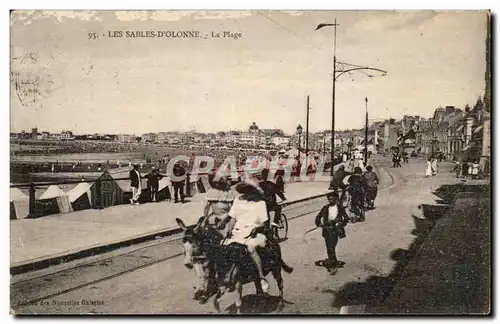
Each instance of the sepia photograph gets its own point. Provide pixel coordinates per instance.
(140, 141)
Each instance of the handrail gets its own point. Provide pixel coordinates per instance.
(48, 183)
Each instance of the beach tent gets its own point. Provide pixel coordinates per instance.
(19, 204)
(164, 189)
(115, 187)
(80, 197)
(53, 201)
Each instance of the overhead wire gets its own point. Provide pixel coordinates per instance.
(350, 65)
(291, 31)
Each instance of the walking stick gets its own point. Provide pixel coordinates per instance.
(307, 232)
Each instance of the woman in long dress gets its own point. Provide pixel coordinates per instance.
(428, 168)
(434, 167)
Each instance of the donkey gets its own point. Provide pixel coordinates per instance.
(203, 250)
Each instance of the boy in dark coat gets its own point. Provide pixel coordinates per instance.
(332, 218)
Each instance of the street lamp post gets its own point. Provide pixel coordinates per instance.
(343, 69)
(299, 132)
(324, 142)
(366, 132)
(307, 133)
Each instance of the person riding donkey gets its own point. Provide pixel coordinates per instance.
(219, 201)
(248, 214)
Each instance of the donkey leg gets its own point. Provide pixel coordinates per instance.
(279, 281)
(216, 300)
(258, 287)
(239, 292)
(200, 281)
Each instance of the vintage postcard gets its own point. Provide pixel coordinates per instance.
(250, 162)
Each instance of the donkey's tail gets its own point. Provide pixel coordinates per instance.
(286, 267)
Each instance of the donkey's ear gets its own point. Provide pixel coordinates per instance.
(181, 224)
(200, 223)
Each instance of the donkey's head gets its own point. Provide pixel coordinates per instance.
(191, 241)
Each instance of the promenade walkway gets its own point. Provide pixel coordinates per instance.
(54, 236)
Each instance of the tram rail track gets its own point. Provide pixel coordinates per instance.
(20, 290)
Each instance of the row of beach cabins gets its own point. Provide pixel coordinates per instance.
(110, 189)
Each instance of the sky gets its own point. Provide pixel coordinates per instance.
(139, 85)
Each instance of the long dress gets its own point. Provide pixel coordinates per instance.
(428, 169)
(434, 167)
(249, 215)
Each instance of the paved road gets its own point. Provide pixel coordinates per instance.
(167, 287)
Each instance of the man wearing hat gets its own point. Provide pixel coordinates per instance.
(154, 178)
(332, 218)
(178, 181)
(135, 183)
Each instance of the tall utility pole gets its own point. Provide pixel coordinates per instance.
(307, 132)
(342, 69)
(366, 132)
(332, 154)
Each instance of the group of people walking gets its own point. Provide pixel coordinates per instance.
(431, 167)
(467, 170)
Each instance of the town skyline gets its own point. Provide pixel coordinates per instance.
(433, 59)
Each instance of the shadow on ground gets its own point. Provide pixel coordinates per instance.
(257, 304)
(376, 289)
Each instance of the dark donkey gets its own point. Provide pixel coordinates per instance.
(203, 250)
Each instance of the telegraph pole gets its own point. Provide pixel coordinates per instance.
(332, 153)
(342, 69)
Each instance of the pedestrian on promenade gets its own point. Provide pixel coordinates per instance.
(457, 168)
(428, 168)
(398, 161)
(434, 166)
(465, 169)
(475, 170)
(135, 183)
(332, 218)
(350, 165)
(361, 164)
(178, 182)
(153, 178)
(371, 186)
(394, 160)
